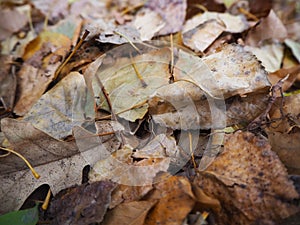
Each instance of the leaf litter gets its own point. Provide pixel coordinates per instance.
(203, 127)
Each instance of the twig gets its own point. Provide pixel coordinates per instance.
(77, 46)
(263, 117)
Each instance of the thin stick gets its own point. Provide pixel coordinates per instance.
(86, 33)
(129, 41)
(35, 174)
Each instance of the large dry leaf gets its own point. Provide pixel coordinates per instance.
(81, 205)
(265, 30)
(233, 24)
(59, 163)
(250, 182)
(295, 47)
(66, 105)
(123, 85)
(175, 201)
(52, 9)
(133, 213)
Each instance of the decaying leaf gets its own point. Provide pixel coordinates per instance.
(84, 204)
(175, 200)
(133, 213)
(250, 182)
(58, 163)
(42, 57)
(66, 105)
(294, 46)
(265, 30)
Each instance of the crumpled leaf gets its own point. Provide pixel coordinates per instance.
(175, 200)
(133, 213)
(284, 135)
(203, 35)
(172, 12)
(84, 204)
(66, 105)
(219, 69)
(58, 163)
(248, 179)
(270, 55)
(233, 24)
(42, 57)
(265, 30)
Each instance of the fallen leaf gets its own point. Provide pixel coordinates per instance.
(58, 163)
(172, 12)
(295, 47)
(284, 134)
(84, 204)
(8, 84)
(42, 57)
(126, 90)
(175, 201)
(265, 30)
(270, 55)
(126, 193)
(24, 217)
(133, 213)
(248, 179)
(11, 21)
(148, 23)
(202, 36)
(66, 105)
(233, 24)
(53, 10)
(293, 73)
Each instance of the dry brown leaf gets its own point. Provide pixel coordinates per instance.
(42, 57)
(172, 12)
(293, 73)
(84, 204)
(52, 9)
(125, 193)
(175, 201)
(59, 163)
(202, 36)
(250, 182)
(129, 213)
(284, 135)
(265, 30)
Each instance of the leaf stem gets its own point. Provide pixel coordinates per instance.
(35, 174)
